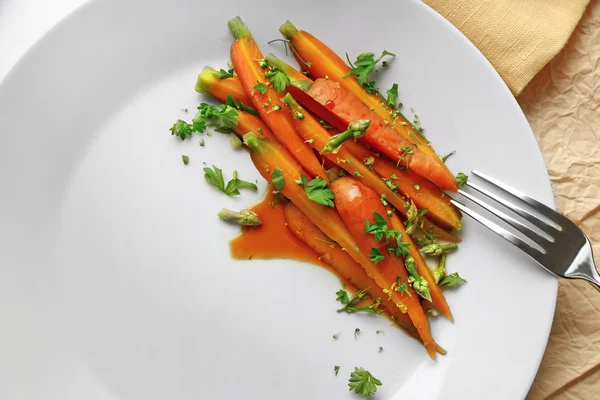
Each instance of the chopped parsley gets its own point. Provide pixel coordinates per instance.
(279, 79)
(350, 303)
(392, 238)
(452, 280)
(336, 369)
(215, 178)
(392, 96)
(376, 256)
(186, 159)
(461, 179)
(261, 88)
(277, 179)
(222, 74)
(362, 382)
(364, 64)
(317, 190)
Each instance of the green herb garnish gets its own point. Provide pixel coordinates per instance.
(277, 179)
(362, 382)
(215, 177)
(317, 190)
(452, 280)
(261, 88)
(350, 303)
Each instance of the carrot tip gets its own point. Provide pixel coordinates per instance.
(205, 80)
(238, 28)
(288, 30)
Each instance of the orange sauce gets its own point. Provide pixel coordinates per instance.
(272, 239)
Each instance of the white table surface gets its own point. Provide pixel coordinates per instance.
(23, 22)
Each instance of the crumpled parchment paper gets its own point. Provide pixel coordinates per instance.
(562, 104)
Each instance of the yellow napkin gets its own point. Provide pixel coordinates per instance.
(518, 37)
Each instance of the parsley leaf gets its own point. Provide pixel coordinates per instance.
(237, 103)
(350, 303)
(260, 87)
(452, 280)
(376, 256)
(222, 74)
(317, 190)
(215, 177)
(182, 129)
(186, 159)
(336, 369)
(461, 179)
(279, 79)
(277, 179)
(363, 65)
(226, 115)
(362, 382)
(392, 238)
(392, 96)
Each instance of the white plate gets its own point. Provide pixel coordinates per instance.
(115, 276)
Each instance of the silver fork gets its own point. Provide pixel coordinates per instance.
(553, 241)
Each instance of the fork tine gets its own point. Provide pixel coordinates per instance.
(532, 252)
(524, 229)
(542, 209)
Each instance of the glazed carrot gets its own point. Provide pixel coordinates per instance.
(244, 56)
(208, 82)
(286, 68)
(341, 262)
(381, 136)
(315, 134)
(422, 192)
(250, 123)
(266, 156)
(437, 297)
(356, 203)
(320, 61)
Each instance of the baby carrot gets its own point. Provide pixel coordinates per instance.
(244, 56)
(314, 133)
(356, 204)
(267, 156)
(437, 297)
(320, 61)
(342, 263)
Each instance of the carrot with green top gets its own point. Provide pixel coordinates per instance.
(421, 191)
(317, 136)
(437, 297)
(367, 220)
(267, 156)
(342, 263)
(246, 57)
(320, 61)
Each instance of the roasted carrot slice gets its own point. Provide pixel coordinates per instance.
(347, 107)
(342, 263)
(268, 155)
(356, 204)
(244, 56)
(320, 61)
(437, 297)
(314, 133)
